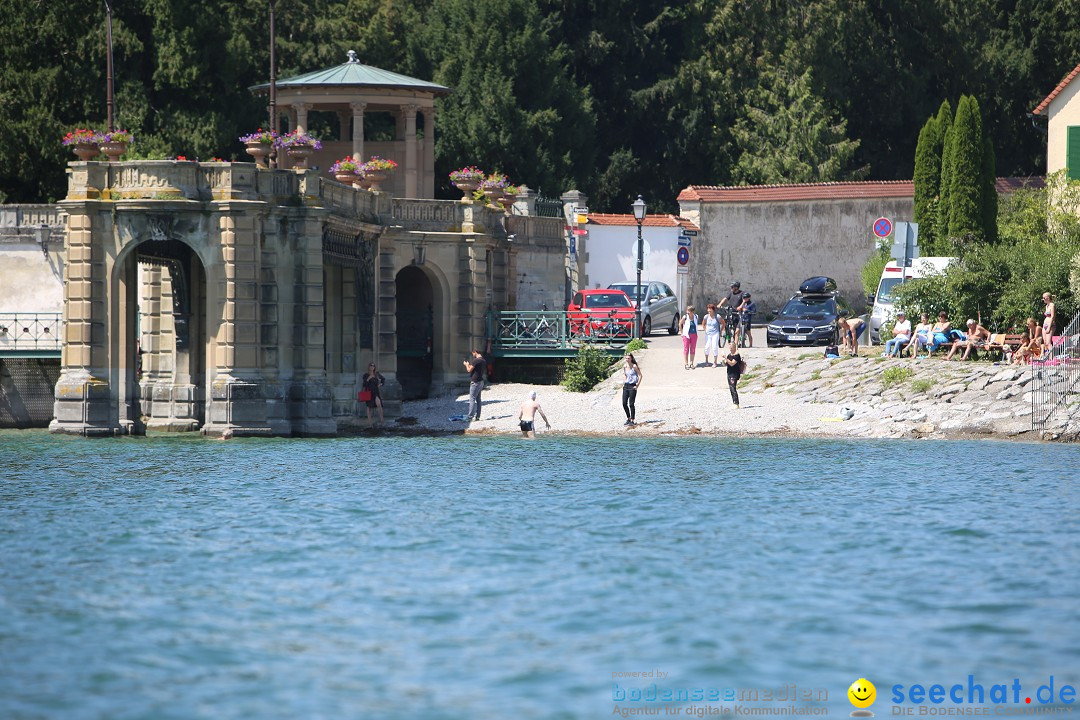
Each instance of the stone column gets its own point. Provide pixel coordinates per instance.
(428, 183)
(411, 178)
(386, 330)
(85, 402)
(301, 110)
(237, 400)
(309, 394)
(275, 296)
(343, 125)
(358, 130)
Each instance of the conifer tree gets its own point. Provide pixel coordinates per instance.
(927, 179)
(966, 181)
(941, 245)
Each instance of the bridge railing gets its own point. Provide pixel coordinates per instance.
(24, 333)
(545, 330)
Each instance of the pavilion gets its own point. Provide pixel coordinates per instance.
(391, 102)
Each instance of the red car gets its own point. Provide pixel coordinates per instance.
(601, 313)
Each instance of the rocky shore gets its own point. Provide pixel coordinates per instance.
(786, 391)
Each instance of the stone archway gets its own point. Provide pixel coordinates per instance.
(416, 313)
(172, 372)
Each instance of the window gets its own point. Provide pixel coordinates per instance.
(1072, 152)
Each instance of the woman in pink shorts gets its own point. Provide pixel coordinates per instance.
(688, 328)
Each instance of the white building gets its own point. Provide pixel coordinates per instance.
(612, 249)
(1061, 108)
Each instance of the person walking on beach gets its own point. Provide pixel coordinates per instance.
(476, 382)
(527, 416)
(373, 381)
(688, 328)
(631, 380)
(734, 370)
(713, 327)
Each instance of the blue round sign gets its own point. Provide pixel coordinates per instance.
(683, 255)
(883, 227)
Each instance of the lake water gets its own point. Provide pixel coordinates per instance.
(497, 578)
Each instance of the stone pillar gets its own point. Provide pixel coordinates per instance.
(301, 110)
(275, 295)
(237, 401)
(85, 402)
(386, 331)
(428, 183)
(343, 125)
(358, 130)
(309, 394)
(411, 178)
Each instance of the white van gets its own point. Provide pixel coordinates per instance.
(890, 278)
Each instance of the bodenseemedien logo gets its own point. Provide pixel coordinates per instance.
(862, 695)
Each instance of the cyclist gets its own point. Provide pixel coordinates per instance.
(733, 298)
(747, 308)
(726, 310)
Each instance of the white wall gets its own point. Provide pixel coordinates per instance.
(612, 250)
(1064, 111)
(29, 280)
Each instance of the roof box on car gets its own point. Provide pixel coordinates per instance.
(818, 285)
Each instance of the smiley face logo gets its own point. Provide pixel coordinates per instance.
(862, 693)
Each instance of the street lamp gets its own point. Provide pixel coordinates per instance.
(639, 215)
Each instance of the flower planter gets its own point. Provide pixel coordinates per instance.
(260, 151)
(376, 180)
(299, 155)
(507, 201)
(86, 151)
(347, 178)
(492, 194)
(467, 189)
(113, 150)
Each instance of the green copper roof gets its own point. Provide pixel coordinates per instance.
(355, 74)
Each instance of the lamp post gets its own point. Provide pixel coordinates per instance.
(108, 66)
(639, 215)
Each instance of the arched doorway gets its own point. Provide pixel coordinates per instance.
(165, 336)
(415, 332)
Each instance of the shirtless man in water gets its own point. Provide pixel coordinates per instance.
(527, 415)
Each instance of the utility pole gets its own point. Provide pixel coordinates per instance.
(108, 66)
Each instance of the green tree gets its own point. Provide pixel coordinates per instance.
(941, 245)
(988, 176)
(927, 180)
(787, 134)
(965, 182)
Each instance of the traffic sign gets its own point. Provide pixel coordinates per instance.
(683, 256)
(684, 241)
(883, 227)
(580, 231)
(682, 270)
(691, 233)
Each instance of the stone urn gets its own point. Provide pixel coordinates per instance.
(260, 151)
(375, 180)
(86, 150)
(113, 150)
(467, 187)
(492, 194)
(347, 178)
(299, 155)
(507, 202)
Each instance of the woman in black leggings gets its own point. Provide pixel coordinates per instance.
(733, 361)
(630, 385)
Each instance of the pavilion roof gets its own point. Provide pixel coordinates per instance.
(354, 73)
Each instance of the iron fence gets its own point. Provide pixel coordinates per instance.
(554, 330)
(549, 207)
(30, 332)
(1055, 384)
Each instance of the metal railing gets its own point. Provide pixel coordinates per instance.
(555, 330)
(549, 207)
(1055, 383)
(30, 332)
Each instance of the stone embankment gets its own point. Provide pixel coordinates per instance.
(786, 391)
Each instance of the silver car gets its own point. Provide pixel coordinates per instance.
(659, 306)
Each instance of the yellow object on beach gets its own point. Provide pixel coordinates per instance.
(832, 419)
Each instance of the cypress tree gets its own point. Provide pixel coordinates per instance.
(927, 179)
(966, 176)
(941, 244)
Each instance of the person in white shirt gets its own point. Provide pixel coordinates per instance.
(688, 328)
(901, 335)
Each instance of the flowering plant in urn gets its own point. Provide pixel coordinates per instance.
(495, 182)
(81, 136)
(470, 174)
(263, 137)
(297, 139)
(344, 166)
(377, 164)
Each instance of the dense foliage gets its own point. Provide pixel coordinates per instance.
(1002, 282)
(614, 97)
(584, 370)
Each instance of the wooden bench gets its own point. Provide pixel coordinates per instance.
(1003, 342)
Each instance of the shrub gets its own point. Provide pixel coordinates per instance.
(871, 272)
(895, 376)
(587, 368)
(922, 385)
(635, 345)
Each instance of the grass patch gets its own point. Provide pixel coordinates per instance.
(922, 385)
(635, 345)
(816, 375)
(747, 376)
(895, 376)
(808, 356)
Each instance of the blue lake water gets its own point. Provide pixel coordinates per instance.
(498, 578)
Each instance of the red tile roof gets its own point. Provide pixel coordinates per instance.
(1057, 91)
(650, 220)
(824, 191)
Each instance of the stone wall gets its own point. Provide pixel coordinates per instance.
(771, 247)
(26, 391)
